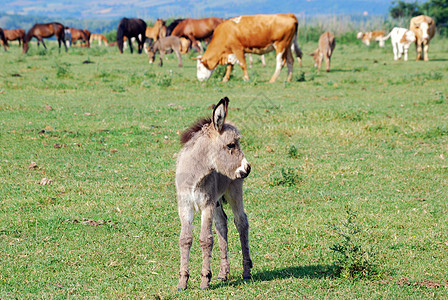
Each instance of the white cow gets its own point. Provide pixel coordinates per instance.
(401, 39)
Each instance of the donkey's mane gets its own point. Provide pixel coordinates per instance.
(196, 127)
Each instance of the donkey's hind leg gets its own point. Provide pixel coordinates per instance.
(186, 238)
(179, 57)
(221, 229)
(234, 196)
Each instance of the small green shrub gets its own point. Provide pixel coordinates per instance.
(300, 77)
(164, 81)
(63, 70)
(288, 178)
(352, 259)
(293, 152)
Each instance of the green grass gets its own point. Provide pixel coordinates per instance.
(372, 134)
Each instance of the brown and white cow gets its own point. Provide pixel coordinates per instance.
(367, 37)
(257, 34)
(424, 28)
(324, 50)
(401, 39)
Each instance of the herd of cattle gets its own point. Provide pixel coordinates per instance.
(421, 30)
(228, 40)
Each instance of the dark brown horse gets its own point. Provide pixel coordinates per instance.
(3, 39)
(41, 31)
(88, 33)
(14, 35)
(131, 28)
(197, 29)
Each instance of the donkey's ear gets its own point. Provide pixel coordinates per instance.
(220, 113)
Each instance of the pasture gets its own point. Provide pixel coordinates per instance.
(104, 128)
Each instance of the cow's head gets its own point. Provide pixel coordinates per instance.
(203, 72)
(423, 27)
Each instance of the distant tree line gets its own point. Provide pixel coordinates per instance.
(436, 9)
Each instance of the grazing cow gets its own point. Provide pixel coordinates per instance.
(257, 34)
(210, 171)
(164, 44)
(98, 37)
(294, 47)
(324, 50)
(14, 35)
(367, 37)
(3, 39)
(401, 39)
(424, 28)
(197, 30)
(131, 28)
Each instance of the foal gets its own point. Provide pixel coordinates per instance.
(162, 45)
(210, 171)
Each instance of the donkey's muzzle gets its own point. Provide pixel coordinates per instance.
(244, 170)
(245, 173)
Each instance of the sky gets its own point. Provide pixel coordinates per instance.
(147, 9)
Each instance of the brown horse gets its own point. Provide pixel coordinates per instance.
(88, 33)
(41, 31)
(14, 35)
(78, 35)
(98, 37)
(172, 25)
(197, 29)
(3, 39)
(156, 32)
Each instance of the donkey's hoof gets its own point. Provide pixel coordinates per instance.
(247, 277)
(222, 278)
(181, 289)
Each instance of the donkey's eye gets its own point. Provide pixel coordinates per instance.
(231, 146)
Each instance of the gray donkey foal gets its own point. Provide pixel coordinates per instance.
(210, 170)
(162, 46)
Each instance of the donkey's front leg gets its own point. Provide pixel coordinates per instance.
(206, 241)
(221, 229)
(161, 52)
(186, 238)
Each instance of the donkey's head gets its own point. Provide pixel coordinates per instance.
(220, 142)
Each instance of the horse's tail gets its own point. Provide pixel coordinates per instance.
(120, 36)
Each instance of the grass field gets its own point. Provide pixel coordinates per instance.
(371, 135)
